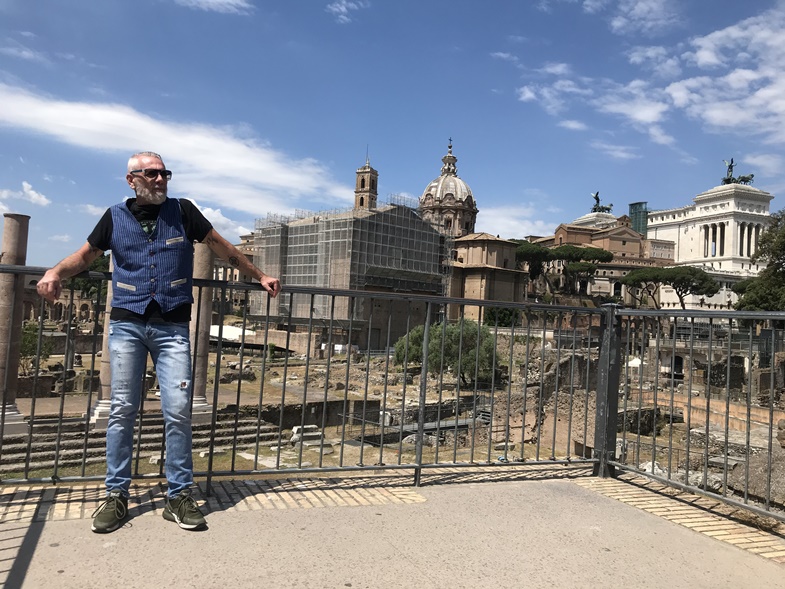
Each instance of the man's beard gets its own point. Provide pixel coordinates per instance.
(151, 197)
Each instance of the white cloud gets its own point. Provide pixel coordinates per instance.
(573, 125)
(655, 59)
(527, 93)
(637, 102)
(342, 9)
(768, 164)
(556, 69)
(19, 51)
(32, 196)
(223, 6)
(27, 193)
(618, 152)
(513, 222)
(507, 57)
(65, 238)
(645, 16)
(229, 229)
(593, 6)
(221, 165)
(92, 210)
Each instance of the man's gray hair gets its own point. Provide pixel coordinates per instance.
(133, 161)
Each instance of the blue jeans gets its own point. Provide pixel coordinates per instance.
(170, 347)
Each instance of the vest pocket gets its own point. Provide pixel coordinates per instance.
(179, 282)
(174, 240)
(125, 286)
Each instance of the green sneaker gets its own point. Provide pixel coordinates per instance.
(184, 510)
(111, 514)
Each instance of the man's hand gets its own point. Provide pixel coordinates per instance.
(50, 286)
(271, 285)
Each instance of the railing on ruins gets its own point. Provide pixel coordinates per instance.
(356, 380)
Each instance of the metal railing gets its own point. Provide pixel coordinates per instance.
(605, 387)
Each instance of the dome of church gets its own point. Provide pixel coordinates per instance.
(448, 185)
(447, 203)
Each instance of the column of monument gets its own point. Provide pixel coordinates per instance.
(100, 416)
(200, 333)
(15, 229)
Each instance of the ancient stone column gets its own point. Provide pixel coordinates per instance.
(200, 334)
(14, 253)
(100, 416)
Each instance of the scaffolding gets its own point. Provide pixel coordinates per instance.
(390, 248)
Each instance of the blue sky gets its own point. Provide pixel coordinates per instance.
(270, 106)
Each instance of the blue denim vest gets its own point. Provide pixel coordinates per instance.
(158, 266)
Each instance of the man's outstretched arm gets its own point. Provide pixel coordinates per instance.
(50, 286)
(226, 251)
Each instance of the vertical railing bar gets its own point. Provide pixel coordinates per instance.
(707, 390)
(493, 384)
(437, 446)
(93, 350)
(386, 384)
(672, 406)
(33, 395)
(748, 420)
(656, 326)
(557, 385)
(572, 387)
(327, 378)
(727, 415)
(476, 389)
(423, 391)
(457, 369)
(540, 411)
(367, 383)
(260, 404)
(352, 302)
(305, 380)
(525, 382)
(689, 399)
(216, 388)
(284, 383)
(405, 374)
(510, 363)
(585, 453)
(770, 449)
(644, 346)
(240, 379)
(67, 351)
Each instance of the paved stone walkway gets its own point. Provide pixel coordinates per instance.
(724, 527)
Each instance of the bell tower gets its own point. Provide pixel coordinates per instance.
(365, 190)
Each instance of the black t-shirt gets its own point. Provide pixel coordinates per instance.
(196, 229)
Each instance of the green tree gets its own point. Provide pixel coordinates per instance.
(643, 284)
(532, 255)
(577, 271)
(506, 316)
(690, 280)
(465, 339)
(29, 345)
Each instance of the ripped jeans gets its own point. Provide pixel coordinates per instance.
(170, 347)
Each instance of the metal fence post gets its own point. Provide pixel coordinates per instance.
(423, 391)
(607, 393)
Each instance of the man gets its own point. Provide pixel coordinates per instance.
(151, 238)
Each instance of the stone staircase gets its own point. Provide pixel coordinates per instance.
(71, 448)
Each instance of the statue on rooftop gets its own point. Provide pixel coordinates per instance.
(729, 179)
(598, 208)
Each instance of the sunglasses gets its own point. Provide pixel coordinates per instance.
(152, 173)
